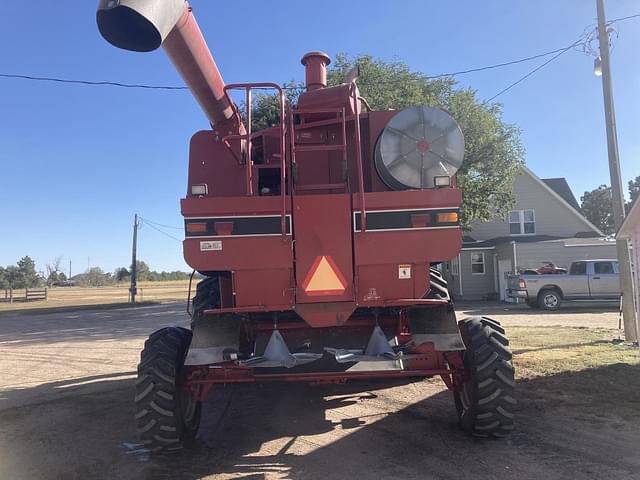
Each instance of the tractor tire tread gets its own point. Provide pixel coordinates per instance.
(493, 375)
(158, 416)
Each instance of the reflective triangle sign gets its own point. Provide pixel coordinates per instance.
(324, 278)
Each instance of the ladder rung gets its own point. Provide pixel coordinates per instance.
(321, 186)
(308, 111)
(318, 148)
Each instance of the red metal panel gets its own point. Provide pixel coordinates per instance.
(230, 206)
(410, 199)
(211, 162)
(263, 287)
(322, 228)
(239, 253)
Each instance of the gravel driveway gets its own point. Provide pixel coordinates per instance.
(66, 383)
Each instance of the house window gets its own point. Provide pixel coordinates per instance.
(455, 267)
(522, 222)
(477, 263)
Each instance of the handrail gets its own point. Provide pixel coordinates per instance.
(341, 112)
(354, 96)
(247, 136)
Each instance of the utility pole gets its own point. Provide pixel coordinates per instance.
(69, 269)
(622, 246)
(133, 289)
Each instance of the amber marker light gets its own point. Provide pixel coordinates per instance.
(196, 227)
(448, 217)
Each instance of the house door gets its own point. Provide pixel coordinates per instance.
(504, 268)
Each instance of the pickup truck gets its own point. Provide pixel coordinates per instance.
(586, 280)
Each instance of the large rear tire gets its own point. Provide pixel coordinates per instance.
(438, 286)
(207, 295)
(486, 402)
(167, 416)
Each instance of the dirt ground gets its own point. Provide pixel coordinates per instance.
(66, 389)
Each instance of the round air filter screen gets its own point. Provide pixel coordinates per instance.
(417, 145)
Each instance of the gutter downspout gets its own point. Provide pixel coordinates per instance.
(460, 273)
(514, 255)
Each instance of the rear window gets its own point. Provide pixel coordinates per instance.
(578, 268)
(603, 268)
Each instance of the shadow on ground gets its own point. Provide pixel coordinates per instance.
(571, 425)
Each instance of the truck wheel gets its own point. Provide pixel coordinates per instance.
(167, 416)
(549, 299)
(485, 404)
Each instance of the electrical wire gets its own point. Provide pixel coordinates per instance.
(160, 231)
(175, 87)
(163, 225)
(89, 82)
(521, 79)
(497, 65)
(623, 18)
(558, 52)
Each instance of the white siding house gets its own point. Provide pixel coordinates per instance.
(545, 225)
(630, 231)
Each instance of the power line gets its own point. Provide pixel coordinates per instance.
(521, 79)
(89, 82)
(160, 231)
(609, 22)
(176, 87)
(497, 65)
(163, 225)
(558, 52)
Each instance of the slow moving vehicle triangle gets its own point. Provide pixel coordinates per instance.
(324, 278)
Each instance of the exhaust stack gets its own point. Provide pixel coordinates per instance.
(144, 25)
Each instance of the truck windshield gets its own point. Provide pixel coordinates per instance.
(578, 268)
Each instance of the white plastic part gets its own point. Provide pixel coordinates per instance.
(442, 181)
(202, 189)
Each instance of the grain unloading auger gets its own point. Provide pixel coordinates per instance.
(318, 237)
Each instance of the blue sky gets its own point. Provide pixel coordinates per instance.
(76, 162)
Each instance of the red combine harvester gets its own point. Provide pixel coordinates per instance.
(318, 237)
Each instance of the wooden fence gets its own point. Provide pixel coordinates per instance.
(24, 295)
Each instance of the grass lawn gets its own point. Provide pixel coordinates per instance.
(543, 351)
(578, 370)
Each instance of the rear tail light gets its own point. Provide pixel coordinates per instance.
(447, 217)
(196, 227)
(522, 284)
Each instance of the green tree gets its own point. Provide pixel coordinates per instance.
(597, 206)
(121, 274)
(634, 188)
(142, 271)
(634, 191)
(265, 108)
(95, 277)
(493, 151)
(4, 281)
(26, 275)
